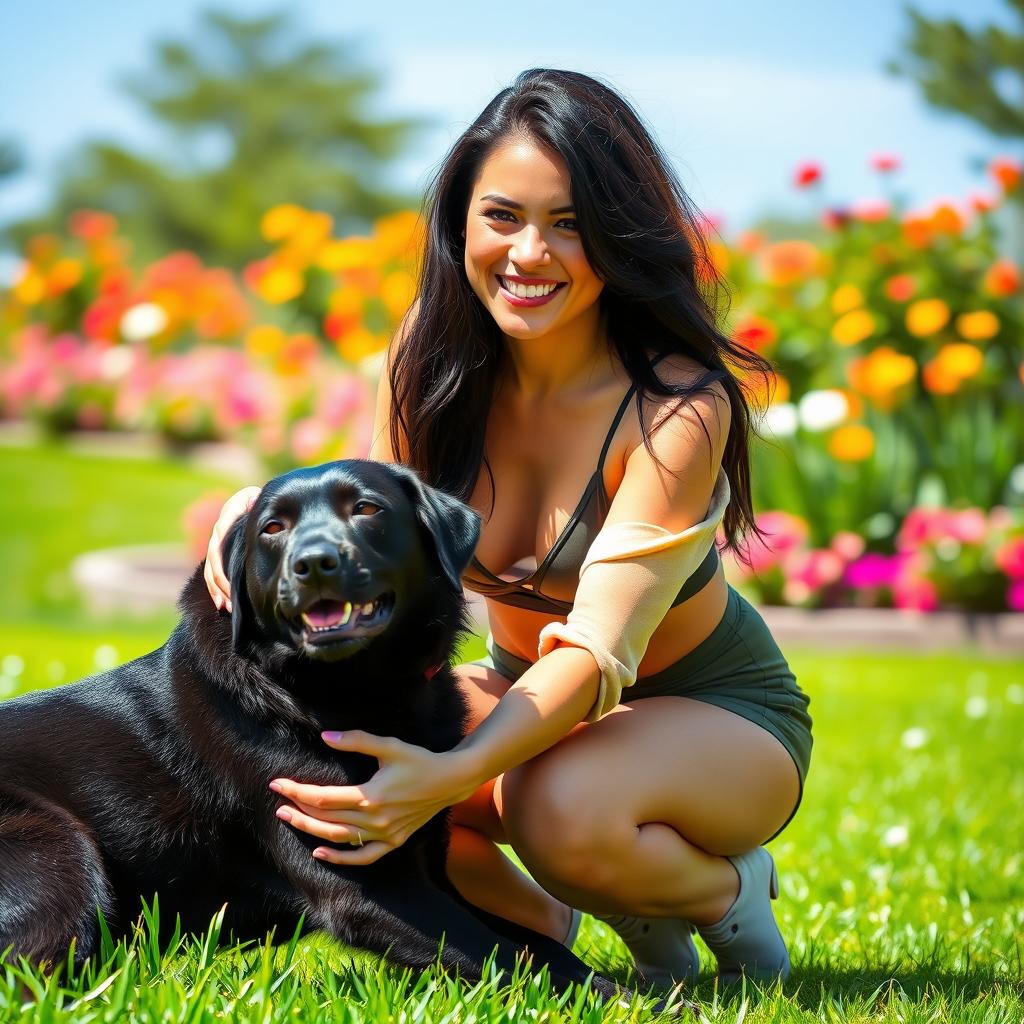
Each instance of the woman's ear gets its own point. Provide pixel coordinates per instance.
(233, 554)
(452, 525)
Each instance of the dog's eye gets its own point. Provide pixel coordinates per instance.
(365, 508)
(273, 527)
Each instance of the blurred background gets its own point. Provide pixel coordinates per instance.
(208, 232)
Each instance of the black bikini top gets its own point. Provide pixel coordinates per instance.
(562, 562)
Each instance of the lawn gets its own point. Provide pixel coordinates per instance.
(902, 875)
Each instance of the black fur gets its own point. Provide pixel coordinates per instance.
(153, 777)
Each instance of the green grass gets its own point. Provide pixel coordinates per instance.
(902, 875)
(57, 504)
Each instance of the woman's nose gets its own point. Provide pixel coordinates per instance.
(530, 248)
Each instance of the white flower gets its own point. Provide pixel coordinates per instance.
(105, 657)
(143, 321)
(822, 410)
(914, 739)
(897, 835)
(12, 665)
(1015, 693)
(976, 706)
(116, 361)
(780, 420)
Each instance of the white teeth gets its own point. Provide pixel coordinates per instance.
(527, 291)
(367, 609)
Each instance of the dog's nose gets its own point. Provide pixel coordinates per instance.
(316, 560)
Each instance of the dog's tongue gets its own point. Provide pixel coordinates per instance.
(326, 613)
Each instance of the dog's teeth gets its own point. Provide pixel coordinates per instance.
(367, 608)
(346, 613)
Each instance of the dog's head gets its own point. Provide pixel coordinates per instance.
(331, 559)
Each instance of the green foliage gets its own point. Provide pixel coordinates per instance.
(252, 118)
(977, 74)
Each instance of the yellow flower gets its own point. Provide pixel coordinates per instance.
(926, 316)
(978, 326)
(397, 291)
(853, 327)
(64, 274)
(845, 298)
(789, 262)
(852, 443)
(348, 254)
(960, 359)
(30, 287)
(281, 221)
(264, 340)
(357, 344)
(400, 234)
(280, 284)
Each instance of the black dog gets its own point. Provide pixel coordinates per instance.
(153, 778)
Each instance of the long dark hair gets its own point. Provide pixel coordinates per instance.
(640, 233)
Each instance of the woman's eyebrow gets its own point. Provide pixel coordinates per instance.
(494, 198)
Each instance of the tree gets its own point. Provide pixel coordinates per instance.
(252, 118)
(977, 74)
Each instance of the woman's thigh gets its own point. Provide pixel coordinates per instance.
(720, 781)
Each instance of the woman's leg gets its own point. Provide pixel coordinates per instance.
(636, 813)
(477, 868)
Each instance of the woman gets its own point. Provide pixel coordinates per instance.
(563, 354)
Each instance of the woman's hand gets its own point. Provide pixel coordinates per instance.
(410, 787)
(216, 582)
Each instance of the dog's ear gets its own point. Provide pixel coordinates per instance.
(232, 551)
(452, 525)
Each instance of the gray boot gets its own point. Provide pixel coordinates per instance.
(662, 949)
(747, 940)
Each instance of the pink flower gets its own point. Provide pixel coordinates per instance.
(873, 570)
(916, 593)
(1010, 558)
(848, 545)
(785, 532)
(815, 568)
(885, 162)
(1015, 596)
(920, 526)
(969, 525)
(309, 438)
(871, 211)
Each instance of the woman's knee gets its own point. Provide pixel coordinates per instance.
(557, 822)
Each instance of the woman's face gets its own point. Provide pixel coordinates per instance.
(524, 256)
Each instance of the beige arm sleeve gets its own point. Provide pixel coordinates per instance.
(628, 581)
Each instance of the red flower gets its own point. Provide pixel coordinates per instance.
(807, 173)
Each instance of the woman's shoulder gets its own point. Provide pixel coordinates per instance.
(679, 370)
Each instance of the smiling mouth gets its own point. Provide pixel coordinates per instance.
(328, 621)
(532, 294)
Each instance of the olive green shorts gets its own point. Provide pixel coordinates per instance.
(738, 667)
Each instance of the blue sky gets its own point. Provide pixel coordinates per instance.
(736, 92)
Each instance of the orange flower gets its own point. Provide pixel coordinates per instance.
(946, 219)
(1006, 172)
(92, 225)
(755, 332)
(938, 380)
(63, 276)
(854, 327)
(977, 326)
(926, 317)
(359, 344)
(1002, 278)
(882, 375)
(917, 230)
(750, 241)
(789, 262)
(900, 287)
(852, 442)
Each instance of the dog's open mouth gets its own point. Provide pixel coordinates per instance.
(328, 621)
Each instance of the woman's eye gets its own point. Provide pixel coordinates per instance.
(571, 221)
(503, 215)
(273, 527)
(365, 508)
